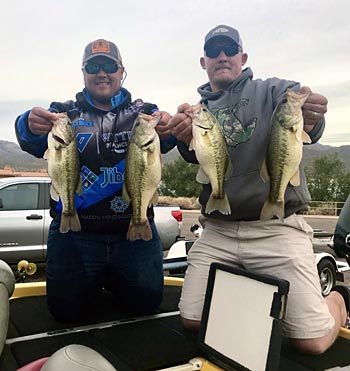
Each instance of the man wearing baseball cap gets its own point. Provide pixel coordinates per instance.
(81, 264)
(102, 48)
(224, 39)
(282, 247)
(223, 32)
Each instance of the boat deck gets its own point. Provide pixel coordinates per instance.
(139, 344)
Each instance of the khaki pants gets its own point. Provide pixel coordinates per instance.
(281, 249)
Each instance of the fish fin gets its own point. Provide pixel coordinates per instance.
(46, 155)
(79, 189)
(202, 177)
(54, 193)
(125, 195)
(139, 231)
(220, 204)
(295, 179)
(154, 199)
(271, 209)
(70, 223)
(264, 173)
(229, 169)
(191, 145)
(305, 137)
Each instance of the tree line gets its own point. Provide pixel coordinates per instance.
(327, 179)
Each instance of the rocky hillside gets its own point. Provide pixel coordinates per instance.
(316, 150)
(12, 155)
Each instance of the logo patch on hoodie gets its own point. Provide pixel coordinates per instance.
(82, 122)
(235, 131)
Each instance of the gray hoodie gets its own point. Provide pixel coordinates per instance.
(244, 112)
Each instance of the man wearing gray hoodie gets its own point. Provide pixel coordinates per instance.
(243, 107)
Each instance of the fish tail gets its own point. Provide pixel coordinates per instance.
(140, 231)
(70, 222)
(271, 209)
(220, 204)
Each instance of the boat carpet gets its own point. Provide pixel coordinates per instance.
(157, 341)
(140, 344)
(29, 315)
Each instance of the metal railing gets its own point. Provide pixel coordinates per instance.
(325, 208)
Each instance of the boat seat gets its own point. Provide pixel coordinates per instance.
(7, 285)
(73, 357)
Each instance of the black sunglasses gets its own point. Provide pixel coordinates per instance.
(93, 68)
(229, 50)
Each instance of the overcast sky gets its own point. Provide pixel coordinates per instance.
(161, 41)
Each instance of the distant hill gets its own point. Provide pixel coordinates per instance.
(12, 155)
(310, 152)
(316, 150)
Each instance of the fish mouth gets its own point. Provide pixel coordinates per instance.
(193, 110)
(156, 119)
(59, 140)
(151, 120)
(189, 113)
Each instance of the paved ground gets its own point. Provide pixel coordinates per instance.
(325, 223)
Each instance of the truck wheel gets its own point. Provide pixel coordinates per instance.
(326, 272)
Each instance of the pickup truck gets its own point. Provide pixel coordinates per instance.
(25, 219)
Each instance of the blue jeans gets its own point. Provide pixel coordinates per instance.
(79, 265)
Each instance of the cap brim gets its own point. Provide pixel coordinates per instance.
(102, 55)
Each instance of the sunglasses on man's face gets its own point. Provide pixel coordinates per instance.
(93, 68)
(229, 50)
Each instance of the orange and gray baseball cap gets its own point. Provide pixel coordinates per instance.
(102, 48)
(223, 31)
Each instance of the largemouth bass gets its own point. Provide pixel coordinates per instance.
(63, 168)
(215, 165)
(142, 175)
(284, 152)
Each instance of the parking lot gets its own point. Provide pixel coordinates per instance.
(190, 217)
(325, 223)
